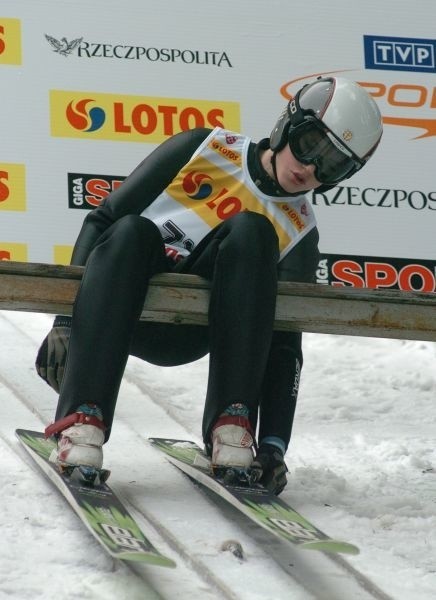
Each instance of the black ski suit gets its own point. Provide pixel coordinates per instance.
(249, 363)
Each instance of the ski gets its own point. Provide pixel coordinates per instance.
(257, 503)
(98, 507)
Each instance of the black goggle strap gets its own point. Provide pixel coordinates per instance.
(295, 112)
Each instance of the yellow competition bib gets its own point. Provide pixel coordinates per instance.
(214, 186)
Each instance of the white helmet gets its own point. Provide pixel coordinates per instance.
(332, 123)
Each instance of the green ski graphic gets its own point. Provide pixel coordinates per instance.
(265, 509)
(99, 508)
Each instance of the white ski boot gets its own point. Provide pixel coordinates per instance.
(81, 436)
(233, 439)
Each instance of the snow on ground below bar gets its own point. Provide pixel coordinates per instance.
(362, 467)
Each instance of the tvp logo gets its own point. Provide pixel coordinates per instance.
(10, 41)
(400, 54)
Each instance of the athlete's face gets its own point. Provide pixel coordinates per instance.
(293, 176)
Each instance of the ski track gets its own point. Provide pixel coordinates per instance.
(361, 579)
(139, 588)
(203, 571)
(11, 443)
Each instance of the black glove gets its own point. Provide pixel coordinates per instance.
(52, 355)
(269, 468)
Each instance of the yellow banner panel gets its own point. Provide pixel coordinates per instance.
(10, 41)
(12, 187)
(92, 115)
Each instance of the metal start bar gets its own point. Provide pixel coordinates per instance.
(177, 298)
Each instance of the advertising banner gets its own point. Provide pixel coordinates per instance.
(90, 89)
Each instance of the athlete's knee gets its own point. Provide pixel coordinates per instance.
(135, 231)
(130, 243)
(136, 225)
(251, 223)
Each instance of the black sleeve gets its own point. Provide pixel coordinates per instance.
(302, 261)
(139, 189)
(285, 361)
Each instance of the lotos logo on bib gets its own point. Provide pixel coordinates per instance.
(195, 186)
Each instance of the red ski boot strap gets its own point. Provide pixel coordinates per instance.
(70, 420)
(234, 420)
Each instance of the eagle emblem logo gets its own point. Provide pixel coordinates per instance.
(63, 46)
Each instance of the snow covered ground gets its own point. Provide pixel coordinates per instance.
(362, 468)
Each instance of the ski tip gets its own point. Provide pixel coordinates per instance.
(167, 562)
(19, 431)
(332, 546)
(22, 432)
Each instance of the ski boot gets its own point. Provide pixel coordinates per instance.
(269, 468)
(79, 453)
(232, 446)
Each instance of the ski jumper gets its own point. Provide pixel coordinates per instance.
(193, 206)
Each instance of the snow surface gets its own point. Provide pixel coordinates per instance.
(362, 467)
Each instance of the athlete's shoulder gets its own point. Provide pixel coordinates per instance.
(193, 136)
(200, 132)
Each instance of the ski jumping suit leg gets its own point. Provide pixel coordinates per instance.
(241, 261)
(106, 309)
(239, 257)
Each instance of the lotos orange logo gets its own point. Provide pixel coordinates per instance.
(416, 102)
(16, 252)
(134, 118)
(199, 186)
(12, 187)
(10, 41)
(228, 153)
(196, 185)
(85, 119)
(293, 216)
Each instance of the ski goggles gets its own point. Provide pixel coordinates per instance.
(312, 144)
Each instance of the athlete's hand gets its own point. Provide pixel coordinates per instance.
(269, 468)
(52, 355)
